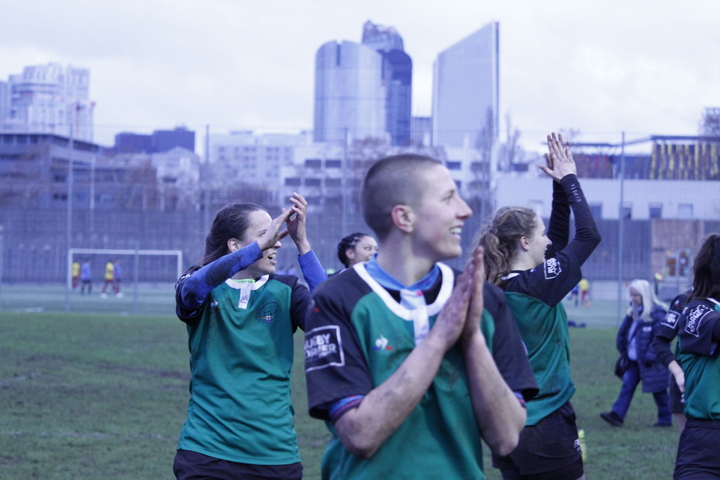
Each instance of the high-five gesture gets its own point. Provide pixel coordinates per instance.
(560, 161)
(296, 223)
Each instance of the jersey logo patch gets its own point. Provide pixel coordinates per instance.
(323, 348)
(268, 311)
(382, 344)
(671, 319)
(694, 318)
(552, 268)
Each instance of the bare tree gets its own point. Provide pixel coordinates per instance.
(710, 122)
(509, 152)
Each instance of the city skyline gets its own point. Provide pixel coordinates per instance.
(601, 69)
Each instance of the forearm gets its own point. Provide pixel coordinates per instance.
(559, 226)
(587, 236)
(313, 272)
(661, 345)
(197, 287)
(364, 429)
(499, 414)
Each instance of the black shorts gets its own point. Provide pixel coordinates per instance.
(677, 400)
(694, 458)
(196, 466)
(548, 450)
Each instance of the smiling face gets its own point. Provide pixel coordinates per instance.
(439, 218)
(259, 222)
(539, 242)
(363, 251)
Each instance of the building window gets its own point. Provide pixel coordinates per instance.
(333, 182)
(313, 182)
(685, 211)
(453, 165)
(458, 184)
(626, 211)
(292, 182)
(596, 210)
(333, 163)
(313, 163)
(655, 210)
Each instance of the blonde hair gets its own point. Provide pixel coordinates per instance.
(649, 300)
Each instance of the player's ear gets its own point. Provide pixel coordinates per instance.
(524, 242)
(403, 217)
(233, 245)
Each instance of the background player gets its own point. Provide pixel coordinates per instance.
(699, 334)
(355, 248)
(240, 318)
(537, 271)
(395, 358)
(665, 332)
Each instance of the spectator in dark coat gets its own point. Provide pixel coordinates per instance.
(634, 340)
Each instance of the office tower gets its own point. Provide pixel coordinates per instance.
(49, 99)
(466, 89)
(349, 93)
(397, 78)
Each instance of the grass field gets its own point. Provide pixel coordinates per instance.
(88, 396)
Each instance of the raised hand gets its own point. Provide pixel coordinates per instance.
(296, 223)
(451, 321)
(559, 160)
(475, 310)
(273, 234)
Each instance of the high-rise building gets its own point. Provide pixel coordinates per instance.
(349, 92)
(466, 89)
(48, 99)
(397, 78)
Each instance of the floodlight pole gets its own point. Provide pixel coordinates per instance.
(68, 286)
(345, 187)
(621, 229)
(206, 181)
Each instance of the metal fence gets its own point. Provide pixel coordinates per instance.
(34, 242)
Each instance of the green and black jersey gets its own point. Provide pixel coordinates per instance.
(535, 298)
(241, 355)
(358, 334)
(698, 356)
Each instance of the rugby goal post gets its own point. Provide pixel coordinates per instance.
(136, 253)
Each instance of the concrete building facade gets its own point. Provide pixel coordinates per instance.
(48, 99)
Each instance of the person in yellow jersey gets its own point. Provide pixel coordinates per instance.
(109, 278)
(75, 274)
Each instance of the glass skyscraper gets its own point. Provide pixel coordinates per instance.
(397, 78)
(364, 90)
(349, 93)
(466, 89)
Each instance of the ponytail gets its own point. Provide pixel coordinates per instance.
(500, 239)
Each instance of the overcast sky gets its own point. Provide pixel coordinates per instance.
(645, 67)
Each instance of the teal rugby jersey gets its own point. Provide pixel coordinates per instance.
(241, 355)
(358, 334)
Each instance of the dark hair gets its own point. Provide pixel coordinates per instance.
(500, 239)
(230, 222)
(392, 181)
(348, 242)
(706, 269)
